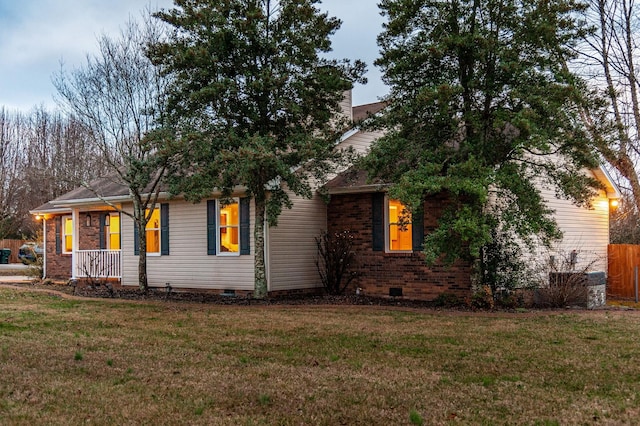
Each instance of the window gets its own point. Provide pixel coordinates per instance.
(153, 232)
(399, 229)
(157, 232)
(112, 231)
(67, 234)
(393, 228)
(229, 228)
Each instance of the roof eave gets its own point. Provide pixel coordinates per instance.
(605, 178)
(91, 201)
(104, 201)
(358, 189)
(346, 135)
(49, 211)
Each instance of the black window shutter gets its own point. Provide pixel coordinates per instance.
(377, 216)
(417, 229)
(245, 213)
(136, 239)
(58, 236)
(103, 242)
(211, 227)
(164, 229)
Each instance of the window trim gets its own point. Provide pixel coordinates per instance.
(387, 229)
(108, 232)
(164, 232)
(159, 229)
(219, 226)
(63, 234)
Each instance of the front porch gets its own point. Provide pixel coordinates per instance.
(82, 243)
(97, 264)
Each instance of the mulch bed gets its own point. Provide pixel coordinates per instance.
(160, 294)
(184, 296)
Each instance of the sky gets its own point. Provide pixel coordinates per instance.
(38, 37)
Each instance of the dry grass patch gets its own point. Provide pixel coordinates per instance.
(72, 362)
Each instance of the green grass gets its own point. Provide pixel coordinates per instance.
(415, 418)
(169, 363)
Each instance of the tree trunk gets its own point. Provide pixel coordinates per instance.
(260, 277)
(141, 225)
(143, 283)
(624, 165)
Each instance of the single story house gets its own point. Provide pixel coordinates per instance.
(208, 246)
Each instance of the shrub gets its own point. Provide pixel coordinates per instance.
(509, 299)
(35, 269)
(482, 299)
(502, 266)
(335, 260)
(447, 300)
(565, 289)
(566, 285)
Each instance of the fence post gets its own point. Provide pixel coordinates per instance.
(635, 281)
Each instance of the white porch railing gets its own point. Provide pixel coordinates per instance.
(98, 264)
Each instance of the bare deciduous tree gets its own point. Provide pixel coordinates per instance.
(611, 58)
(12, 131)
(42, 155)
(118, 96)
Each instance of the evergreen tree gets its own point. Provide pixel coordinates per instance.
(253, 101)
(482, 107)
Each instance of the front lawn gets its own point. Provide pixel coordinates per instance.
(112, 362)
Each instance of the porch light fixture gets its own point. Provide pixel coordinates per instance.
(88, 219)
(107, 219)
(614, 203)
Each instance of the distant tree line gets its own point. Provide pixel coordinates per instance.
(43, 154)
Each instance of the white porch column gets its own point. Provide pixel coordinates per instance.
(75, 243)
(44, 247)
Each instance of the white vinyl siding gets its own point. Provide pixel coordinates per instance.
(584, 230)
(292, 247)
(361, 141)
(188, 265)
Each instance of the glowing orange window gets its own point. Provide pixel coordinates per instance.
(399, 227)
(229, 228)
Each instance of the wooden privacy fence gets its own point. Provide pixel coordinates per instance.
(623, 260)
(13, 245)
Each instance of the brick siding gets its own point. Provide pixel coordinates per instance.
(59, 265)
(379, 271)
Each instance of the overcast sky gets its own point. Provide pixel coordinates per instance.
(37, 36)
